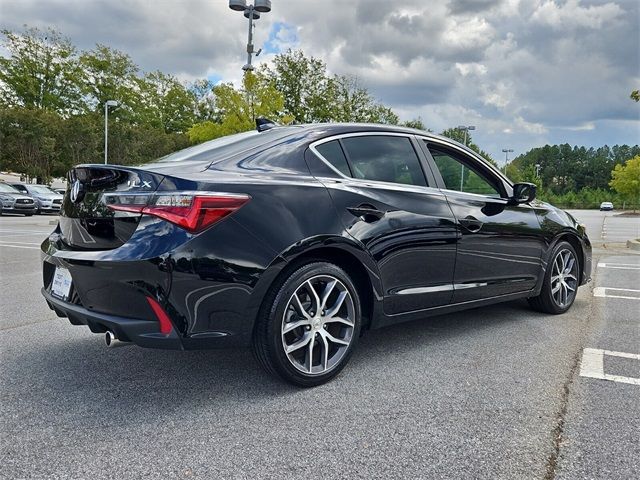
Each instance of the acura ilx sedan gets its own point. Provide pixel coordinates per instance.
(297, 239)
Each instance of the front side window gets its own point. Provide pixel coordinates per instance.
(384, 159)
(459, 176)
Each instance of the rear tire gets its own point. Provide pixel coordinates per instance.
(561, 281)
(309, 325)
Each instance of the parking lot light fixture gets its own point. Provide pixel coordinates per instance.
(251, 12)
(465, 129)
(506, 152)
(107, 104)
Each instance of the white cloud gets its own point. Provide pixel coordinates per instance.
(523, 71)
(572, 14)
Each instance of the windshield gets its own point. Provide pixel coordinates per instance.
(229, 145)
(7, 188)
(40, 189)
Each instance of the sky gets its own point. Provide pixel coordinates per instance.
(525, 73)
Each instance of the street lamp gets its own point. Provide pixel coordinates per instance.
(506, 152)
(465, 129)
(252, 12)
(107, 104)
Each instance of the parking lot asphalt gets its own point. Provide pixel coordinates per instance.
(497, 392)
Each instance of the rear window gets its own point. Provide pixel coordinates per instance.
(228, 146)
(332, 152)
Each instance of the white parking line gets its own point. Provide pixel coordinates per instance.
(21, 243)
(26, 232)
(620, 266)
(19, 246)
(602, 292)
(592, 365)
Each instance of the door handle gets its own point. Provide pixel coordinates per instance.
(472, 224)
(368, 213)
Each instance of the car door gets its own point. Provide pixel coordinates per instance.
(378, 185)
(501, 243)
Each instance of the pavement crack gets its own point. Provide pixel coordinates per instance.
(558, 431)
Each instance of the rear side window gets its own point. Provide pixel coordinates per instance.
(384, 159)
(332, 152)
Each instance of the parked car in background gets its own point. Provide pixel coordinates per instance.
(296, 239)
(604, 206)
(13, 201)
(47, 200)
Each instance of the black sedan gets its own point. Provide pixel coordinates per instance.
(295, 240)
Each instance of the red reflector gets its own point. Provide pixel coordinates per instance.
(192, 212)
(163, 318)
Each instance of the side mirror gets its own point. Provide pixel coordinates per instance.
(523, 193)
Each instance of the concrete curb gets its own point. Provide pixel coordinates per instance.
(634, 244)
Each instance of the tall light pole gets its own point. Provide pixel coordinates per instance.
(506, 152)
(107, 104)
(465, 129)
(252, 12)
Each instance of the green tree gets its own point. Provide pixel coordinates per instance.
(354, 103)
(635, 95)
(29, 140)
(458, 135)
(304, 84)
(109, 74)
(416, 123)
(164, 102)
(311, 94)
(237, 109)
(42, 71)
(625, 179)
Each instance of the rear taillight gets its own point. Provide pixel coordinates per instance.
(193, 211)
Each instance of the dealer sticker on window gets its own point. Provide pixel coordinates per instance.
(61, 283)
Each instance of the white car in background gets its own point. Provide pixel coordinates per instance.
(605, 206)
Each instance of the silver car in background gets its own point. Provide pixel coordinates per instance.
(13, 201)
(47, 200)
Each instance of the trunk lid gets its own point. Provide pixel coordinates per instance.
(85, 220)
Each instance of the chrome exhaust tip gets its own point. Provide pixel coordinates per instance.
(111, 341)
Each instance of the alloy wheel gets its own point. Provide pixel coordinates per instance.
(564, 280)
(318, 325)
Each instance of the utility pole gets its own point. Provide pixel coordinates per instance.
(107, 104)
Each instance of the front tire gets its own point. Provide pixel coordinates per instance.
(561, 281)
(309, 325)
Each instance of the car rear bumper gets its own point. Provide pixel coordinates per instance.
(139, 331)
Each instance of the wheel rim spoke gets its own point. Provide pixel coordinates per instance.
(333, 339)
(299, 344)
(309, 357)
(336, 306)
(327, 291)
(339, 320)
(314, 296)
(290, 326)
(325, 353)
(299, 307)
(316, 338)
(564, 280)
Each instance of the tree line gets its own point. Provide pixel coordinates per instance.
(52, 99)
